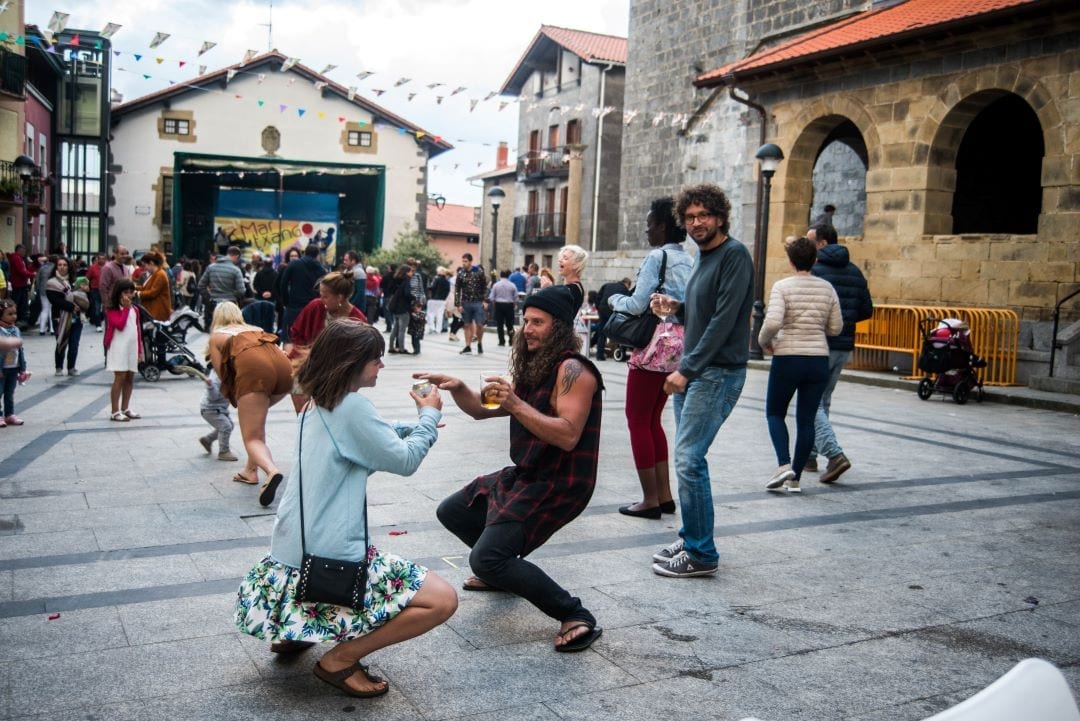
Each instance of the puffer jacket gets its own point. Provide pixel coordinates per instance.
(802, 311)
(834, 265)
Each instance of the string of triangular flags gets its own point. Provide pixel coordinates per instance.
(441, 91)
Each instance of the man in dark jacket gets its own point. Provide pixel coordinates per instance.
(834, 265)
(299, 286)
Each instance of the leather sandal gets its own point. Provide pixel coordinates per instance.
(287, 647)
(119, 417)
(337, 680)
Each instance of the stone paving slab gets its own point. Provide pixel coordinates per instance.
(890, 595)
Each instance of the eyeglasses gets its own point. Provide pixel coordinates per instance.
(702, 218)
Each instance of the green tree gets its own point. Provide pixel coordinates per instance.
(409, 243)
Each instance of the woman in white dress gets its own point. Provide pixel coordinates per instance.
(123, 348)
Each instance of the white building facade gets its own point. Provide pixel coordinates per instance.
(276, 159)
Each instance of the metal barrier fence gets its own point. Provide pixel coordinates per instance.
(995, 335)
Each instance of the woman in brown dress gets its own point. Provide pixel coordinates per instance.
(255, 374)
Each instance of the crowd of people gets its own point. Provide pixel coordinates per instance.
(304, 331)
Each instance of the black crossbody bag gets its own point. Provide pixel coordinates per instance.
(636, 331)
(328, 580)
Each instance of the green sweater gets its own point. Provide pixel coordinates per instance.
(719, 297)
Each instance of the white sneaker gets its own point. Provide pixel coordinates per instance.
(782, 476)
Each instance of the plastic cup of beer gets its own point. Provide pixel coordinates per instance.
(488, 389)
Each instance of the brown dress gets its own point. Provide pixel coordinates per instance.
(252, 362)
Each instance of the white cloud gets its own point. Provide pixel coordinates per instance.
(471, 43)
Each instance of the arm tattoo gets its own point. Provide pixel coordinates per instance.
(571, 372)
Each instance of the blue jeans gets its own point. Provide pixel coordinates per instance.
(788, 375)
(824, 439)
(11, 379)
(699, 413)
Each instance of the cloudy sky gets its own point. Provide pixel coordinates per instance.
(470, 43)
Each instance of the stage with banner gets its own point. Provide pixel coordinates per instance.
(272, 222)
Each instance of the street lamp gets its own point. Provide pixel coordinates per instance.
(495, 197)
(769, 156)
(24, 166)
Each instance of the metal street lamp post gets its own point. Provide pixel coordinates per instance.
(25, 167)
(769, 156)
(495, 197)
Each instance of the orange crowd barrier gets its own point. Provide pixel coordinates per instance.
(995, 335)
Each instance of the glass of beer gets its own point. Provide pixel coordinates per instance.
(488, 389)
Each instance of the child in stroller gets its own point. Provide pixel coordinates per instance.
(163, 344)
(949, 361)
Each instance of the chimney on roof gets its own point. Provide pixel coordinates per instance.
(502, 156)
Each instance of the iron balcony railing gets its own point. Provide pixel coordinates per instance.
(540, 228)
(11, 186)
(12, 72)
(545, 163)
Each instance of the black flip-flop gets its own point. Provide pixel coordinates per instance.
(266, 495)
(583, 641)
(472, 583)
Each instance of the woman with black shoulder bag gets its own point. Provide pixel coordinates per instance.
(669, 266)
(323, 580)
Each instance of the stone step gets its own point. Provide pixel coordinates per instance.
(1055, 384)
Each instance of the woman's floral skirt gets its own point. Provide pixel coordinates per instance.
(266, 605)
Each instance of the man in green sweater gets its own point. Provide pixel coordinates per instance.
(709, 381)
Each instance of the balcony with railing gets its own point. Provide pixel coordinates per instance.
(12, 72)
(545, 163)
(11, 189)
(540, 228)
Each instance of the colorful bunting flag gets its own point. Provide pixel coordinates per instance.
(300, 112)
(230, 74)
(472, 104)
(261, 103)
(183, 63)
(411, 96)
(202, 70)
(432, 86)
(248, 55)
(320, 84)
(503, 104)
(110, 30)
(364, 75)
(159, 38)
(159, 61)
(74, 39)
(4, 5)
(206, 45)
(490, 95)
(282, 108)
(352, 93)
(58, 22)
(459, 89)
(378, 93)
(401, 81)
(327, 69)
(438, 99)
(289, 62)
(137, 57)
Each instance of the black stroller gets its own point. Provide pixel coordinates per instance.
(949, 361)
(163, 344)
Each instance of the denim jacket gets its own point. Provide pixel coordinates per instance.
(679, 265)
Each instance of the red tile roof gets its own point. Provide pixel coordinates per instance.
(911, 18)
(454, 219)
(590, 47)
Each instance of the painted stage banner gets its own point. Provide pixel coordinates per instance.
(273, 222)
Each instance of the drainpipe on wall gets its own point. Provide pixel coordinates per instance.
(599, 148)
(730, 81)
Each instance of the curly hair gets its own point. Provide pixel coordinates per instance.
(531, 368)
(709, 197)
(663, 211)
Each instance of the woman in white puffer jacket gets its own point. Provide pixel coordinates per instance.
(802, 311)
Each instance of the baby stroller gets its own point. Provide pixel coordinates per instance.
(949, 361)
(163, 345)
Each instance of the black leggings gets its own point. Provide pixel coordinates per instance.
(495, 558)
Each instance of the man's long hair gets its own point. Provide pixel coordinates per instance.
(531, 368)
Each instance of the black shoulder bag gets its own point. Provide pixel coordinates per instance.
(328, 580)
(636, 331)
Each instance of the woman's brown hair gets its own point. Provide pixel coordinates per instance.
(340, 352)
(339, 283)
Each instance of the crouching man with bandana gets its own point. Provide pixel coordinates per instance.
(554, 404)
